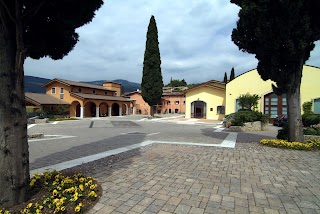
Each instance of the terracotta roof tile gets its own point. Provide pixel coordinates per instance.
(43, 99)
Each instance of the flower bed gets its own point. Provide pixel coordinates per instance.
(65, 194)
(308, 145)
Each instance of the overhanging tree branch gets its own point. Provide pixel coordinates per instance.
(8, 11)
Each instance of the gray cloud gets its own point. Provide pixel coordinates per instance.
(194, 36)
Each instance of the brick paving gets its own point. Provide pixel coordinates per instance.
(187, 179)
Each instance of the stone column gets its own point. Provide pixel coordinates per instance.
(81, 112)
(110, 111)
(133, 110)
(127, 110)
(97, 111)
(120, 111)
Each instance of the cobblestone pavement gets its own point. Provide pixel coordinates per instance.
(185, 179)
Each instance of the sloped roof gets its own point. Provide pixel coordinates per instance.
(79, 84)
(99, 97)
(44, 99)
(212, 83)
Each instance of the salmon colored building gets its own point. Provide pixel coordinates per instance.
(172, 101)
(88, 100)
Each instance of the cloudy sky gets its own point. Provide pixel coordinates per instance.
(194, 36)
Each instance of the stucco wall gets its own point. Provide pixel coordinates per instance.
(213, 97)
(140, 104)
(181, 107)
(252, 83)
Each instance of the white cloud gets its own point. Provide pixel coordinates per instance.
(194, 36)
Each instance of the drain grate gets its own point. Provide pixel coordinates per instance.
(137, 133)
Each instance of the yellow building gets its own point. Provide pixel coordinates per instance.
(271, 104)
(206, 100)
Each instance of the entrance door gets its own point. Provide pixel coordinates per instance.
(198, 109)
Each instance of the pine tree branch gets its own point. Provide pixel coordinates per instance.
(8, 11)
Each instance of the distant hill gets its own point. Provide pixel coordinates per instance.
(127, 86)
(33, 84)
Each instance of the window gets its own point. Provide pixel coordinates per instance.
(184, 102)
(61, 90)
(176, 111)
(169, 102)
(220, 109)
(79, 90)
(105, 93)
(115, 94)
(238, 106)
(94, 91)
(211, 109)
(53, 90)
(176, 102)
(275, 106)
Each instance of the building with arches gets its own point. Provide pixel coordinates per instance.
(88, 100)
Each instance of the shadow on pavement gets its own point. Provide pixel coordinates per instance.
(217, 135)
(88, 149)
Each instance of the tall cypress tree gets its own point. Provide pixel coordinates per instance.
(232, 74)
(152, 83)
(225, 79)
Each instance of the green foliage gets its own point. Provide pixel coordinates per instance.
(248, 101)
(310, 119)
(225, 79)
(49, 26)
(310, 131)
(177, 83)
(307, 107)
(152, 84)
(309, 145)
(281, 35)
(232, 75)
(241, 117)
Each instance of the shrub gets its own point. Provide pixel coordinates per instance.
(309, 145)
(310, 131)
(307, 107)
(310, 119)
(242, 117)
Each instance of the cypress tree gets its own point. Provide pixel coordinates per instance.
(152, 83)
(225, 79)
(232, 74)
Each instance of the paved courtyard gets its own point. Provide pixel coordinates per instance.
(184, 179)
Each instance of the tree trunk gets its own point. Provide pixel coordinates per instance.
(14, 154)
(294, 105)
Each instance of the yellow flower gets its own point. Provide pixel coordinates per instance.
(80, 204)
(77, 209)
(55, 192)
(81, 180)
(81, 187)
(90, 182)
(29, 205)
(92, 194)
(63, 209)
(93, 186)
(38, 211)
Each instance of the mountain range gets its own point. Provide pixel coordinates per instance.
(33, 84)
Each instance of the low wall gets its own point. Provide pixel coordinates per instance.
(249, 127)
(37, 121)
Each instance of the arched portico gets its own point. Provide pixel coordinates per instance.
(104, 109)
(198, 109)
(115, 109)
(125, 109)
(75, 109)
(90, 109)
